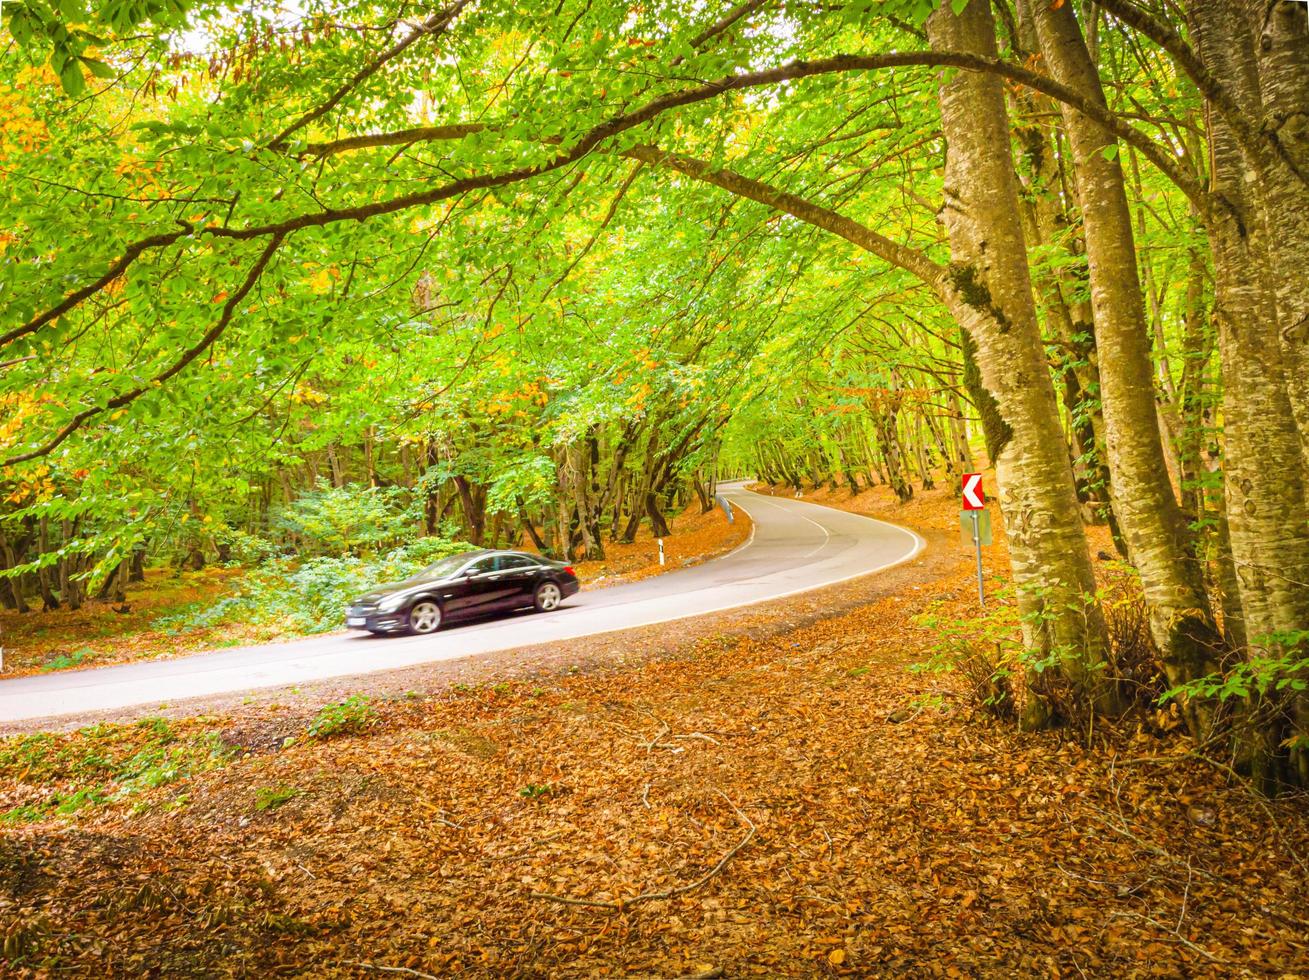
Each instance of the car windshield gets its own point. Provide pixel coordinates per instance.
(441, 569)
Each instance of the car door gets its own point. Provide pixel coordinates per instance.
(519, 573)
(467, 594)
(488, 588)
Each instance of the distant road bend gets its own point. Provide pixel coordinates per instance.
(795, 547)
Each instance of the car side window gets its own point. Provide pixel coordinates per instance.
(482, 566)
(507, 563)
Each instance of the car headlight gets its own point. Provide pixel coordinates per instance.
(391, 604)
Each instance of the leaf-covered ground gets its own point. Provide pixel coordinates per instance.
(782, 799)
(103, 633)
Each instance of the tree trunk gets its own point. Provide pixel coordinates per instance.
(48, 597)
(1158, 540)
(1047, 543)
(1268, 519)
(1281, 55)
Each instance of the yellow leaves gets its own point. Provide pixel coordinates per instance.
(639, 396)
(22, 132)
(305, 394)
(321, 282)
(836, 957)
(38, 485)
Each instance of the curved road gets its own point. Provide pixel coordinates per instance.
(795, 546)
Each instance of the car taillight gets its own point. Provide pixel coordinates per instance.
(568, 570)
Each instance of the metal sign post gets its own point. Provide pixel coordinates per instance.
(975, 522)
(977, 543)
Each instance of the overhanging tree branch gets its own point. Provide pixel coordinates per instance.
(911, 260)
(436, 24)
(616, 125)
(1112, 122)
(1251, 139)
(191, 353)
(133, 252)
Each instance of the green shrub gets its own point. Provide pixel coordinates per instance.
(355, 519)
(352, 716)
(310, 597)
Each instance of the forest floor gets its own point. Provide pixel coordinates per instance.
(770, 792)
(103, 633)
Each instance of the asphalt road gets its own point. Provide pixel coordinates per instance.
(795, 546)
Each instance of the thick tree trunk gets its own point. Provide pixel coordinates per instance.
(1062, 290)
(1268, 519)
(1159, 543)
(1047, 543)
(1279, 33)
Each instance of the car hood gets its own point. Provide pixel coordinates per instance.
(388, 589)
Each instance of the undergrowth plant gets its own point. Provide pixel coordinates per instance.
(61, 774)
(352, 716)
(309, 596)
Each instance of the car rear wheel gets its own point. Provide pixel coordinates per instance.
(425, 617)
(548, 596)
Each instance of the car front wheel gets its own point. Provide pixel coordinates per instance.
(425, 617)
(548, 596)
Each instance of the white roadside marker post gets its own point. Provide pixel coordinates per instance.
(661, 550)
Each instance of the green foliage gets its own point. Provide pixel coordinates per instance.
(353, 716)
(311, 596)
(272, 797)
(1281, 667)
(985, 650)
(103, 764)
(66, 660)
(356, 519)
(534, 791)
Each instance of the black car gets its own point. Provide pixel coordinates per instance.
(463, 586)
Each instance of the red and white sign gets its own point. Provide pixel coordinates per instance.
(974, 497)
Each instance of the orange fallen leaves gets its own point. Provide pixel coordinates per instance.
(935, 845)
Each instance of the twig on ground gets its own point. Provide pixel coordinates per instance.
(391, 969)
(1186, 894)
(700, 735)
(1194, 947)
(671, 892)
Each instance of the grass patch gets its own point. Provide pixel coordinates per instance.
(66, 660)
(45, 775)
(353, 716)
(272, 797)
